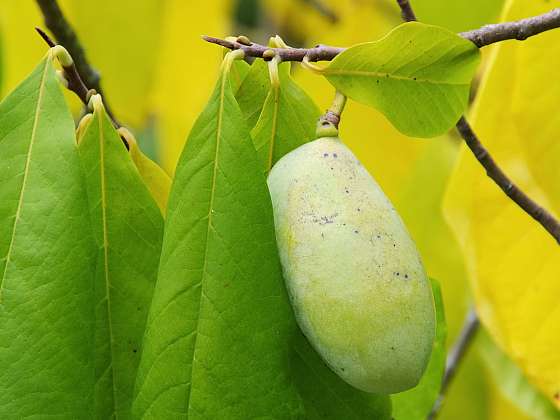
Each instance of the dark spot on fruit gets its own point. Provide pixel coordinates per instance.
(344, 224)
(397, 273)
(332, 168)
(378, 236)
(138, 308)
(322, 235)
(359, 209)
(342, 369)
(355, 231)
(347, 192)
(377, 81)
(335, 155)
(392, 348)
(414, 78)
(134, 350)
(557, 396)
(325, 155)
(394, 245)
(406, 276)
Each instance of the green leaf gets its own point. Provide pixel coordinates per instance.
(46, 269)
(511, 381)
(128, 229)
(418, 76)
(416, 404)
(253, 91)
(288, 119)
(217, 344)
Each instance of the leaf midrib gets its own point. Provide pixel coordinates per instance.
(25, 174)
(106, 257)
(381, 76)
(211, 206)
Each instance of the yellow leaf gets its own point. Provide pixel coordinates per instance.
(187, 69)
(155, 178)
(512, 261)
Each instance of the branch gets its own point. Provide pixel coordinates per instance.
(65, 36)
(519, 30)
(456, 355)
(541, 215)
(484, 36)
(406, 9)
(251, 49)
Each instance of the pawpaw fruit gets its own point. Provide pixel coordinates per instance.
(354, 276)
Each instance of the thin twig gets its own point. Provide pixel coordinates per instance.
(541, 215)
(65, 36)
(456, 355)
(318, 53)
(519, 30)
(484, 36)
(406, 10)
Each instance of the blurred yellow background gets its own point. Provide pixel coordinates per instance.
(157, 74)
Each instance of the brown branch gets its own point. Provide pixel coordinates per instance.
(541, 215)
(484, 36)
(65, 36)
(519, 30)
(318, 53)
(406, 11)
(456, 355)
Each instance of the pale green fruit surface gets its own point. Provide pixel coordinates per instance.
(355, 279)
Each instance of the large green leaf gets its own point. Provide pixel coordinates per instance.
(511, 381)
(417, 403)
(418, 76)
(287, 120)
(128, 229)
(217, 344)
(46, 269)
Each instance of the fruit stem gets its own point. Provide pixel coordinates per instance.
(328, 123)
(339, 102)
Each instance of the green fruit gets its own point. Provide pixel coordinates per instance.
(355, 279)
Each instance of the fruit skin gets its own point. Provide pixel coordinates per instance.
(358, 288)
